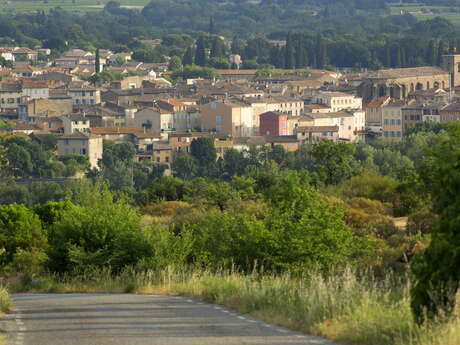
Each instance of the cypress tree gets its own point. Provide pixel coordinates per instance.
(321, 54)
(289, 60)
(200, 55)
(397, 62)
(211, 26)
(188, 57)
(218, 48)
(441, 52)
(431, 53)
(97, 62)
(388, 57)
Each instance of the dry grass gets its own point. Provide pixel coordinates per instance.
(342, 306)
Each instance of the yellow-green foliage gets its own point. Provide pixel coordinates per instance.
(5, 300)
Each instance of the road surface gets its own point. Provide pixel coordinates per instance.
(126, 319)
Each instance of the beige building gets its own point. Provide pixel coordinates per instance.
(392, 120)
(89, 145)
(228, 118)
(75, 123)
(10, 95)
(397, 83)
(337, 101)
(374, 110)
(149, 119)
(35, 89)
(45, 108)
(85, 96)
(345, 121)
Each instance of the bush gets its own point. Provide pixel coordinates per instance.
(106, 233)
(20, 230)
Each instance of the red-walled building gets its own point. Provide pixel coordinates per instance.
(273, 123)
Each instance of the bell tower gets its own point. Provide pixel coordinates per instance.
(451, 63)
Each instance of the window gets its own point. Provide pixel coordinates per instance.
(167, 159)
(213, 105)
(35, 92)
(83, 94)
(399, 134)
(158, 159)
(218, 118)
(218, 128)
(83, 151)
(10, 100)
(398, 122)
(44, 92)
(385, 134)
(66, 141)
(91, 92)
(385, 121)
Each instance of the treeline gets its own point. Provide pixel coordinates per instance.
(334, 33)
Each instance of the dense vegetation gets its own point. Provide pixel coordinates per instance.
(335, 33)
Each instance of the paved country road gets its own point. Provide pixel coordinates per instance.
(126, 319)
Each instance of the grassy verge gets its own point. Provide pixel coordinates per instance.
(342, 307)
(5, 306)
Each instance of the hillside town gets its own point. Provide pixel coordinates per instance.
(239, 108)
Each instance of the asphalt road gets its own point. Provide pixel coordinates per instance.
(126, 319)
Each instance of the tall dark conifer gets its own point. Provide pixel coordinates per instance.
(321, 53)
(200, 56)
(218, 48)
(289, 57)
(188, 57)
(212, 29)
(431, 53)
(97, 62)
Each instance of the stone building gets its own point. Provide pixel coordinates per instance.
(397, 83)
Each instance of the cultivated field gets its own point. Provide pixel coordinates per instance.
(70, 5)
(423, 12)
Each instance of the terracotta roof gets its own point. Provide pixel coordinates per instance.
(237, 71)
(116, 130)
(378, 102)
(314, 129)
(34, 84)
(395, 73)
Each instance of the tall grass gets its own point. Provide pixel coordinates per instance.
(344, 306)
(5, 300)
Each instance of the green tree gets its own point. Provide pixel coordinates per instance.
(201, 57)
(188, 57)
(289, 59)
(185, 166)
(321, 53)
(436, 270)
(97, 62)
(20, 228)
(19, 160)
(333, 162)
(234, 163)
(203, 150)
(212, 29)
(175, 64)
(104, 234)
(217, 48)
